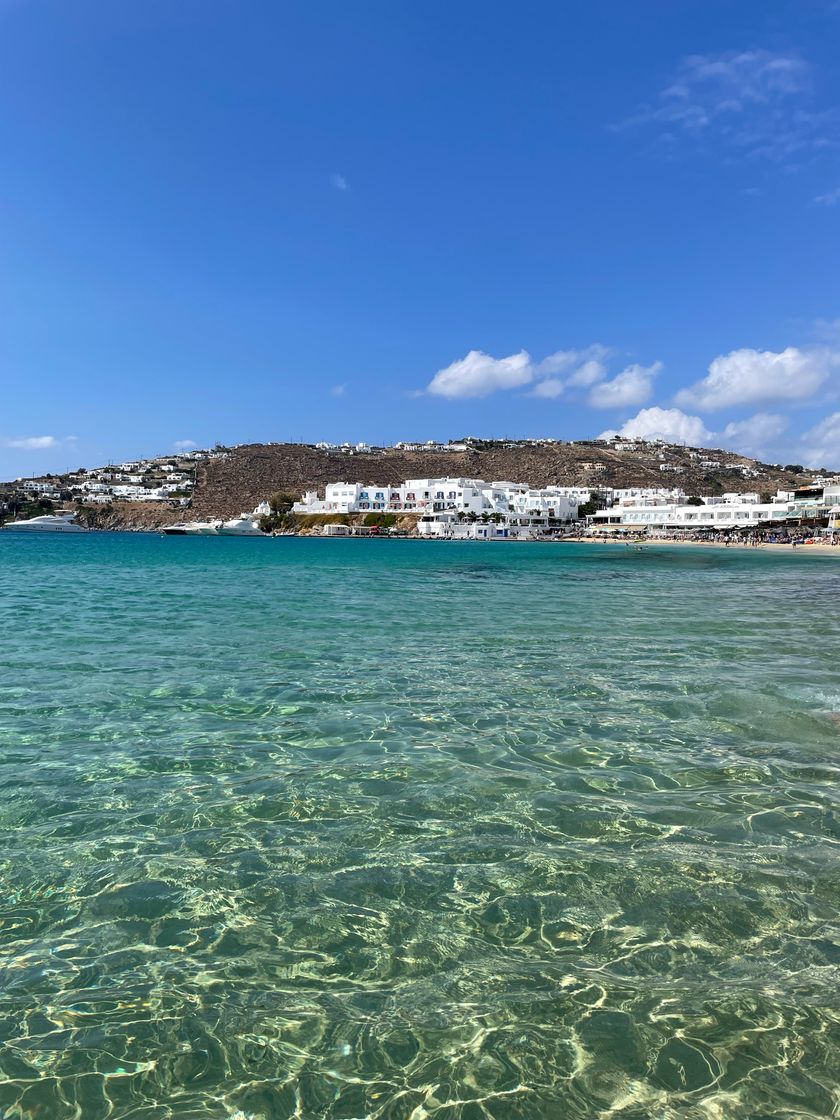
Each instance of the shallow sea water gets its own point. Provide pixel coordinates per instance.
(403, 830)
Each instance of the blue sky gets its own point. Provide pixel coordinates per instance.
(243, 221)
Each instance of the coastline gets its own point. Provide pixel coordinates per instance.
(814, 549)
(799, 549)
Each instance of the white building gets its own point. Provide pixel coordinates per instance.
(43, 489)
(727, 511)
(464, 496)
(449, 526)
(647, 496)
(581, 493)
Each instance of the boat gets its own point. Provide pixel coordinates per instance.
(192, 529)
(243, 526)
(46, 523)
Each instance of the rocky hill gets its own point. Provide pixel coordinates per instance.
(228, 481)
(250, 473)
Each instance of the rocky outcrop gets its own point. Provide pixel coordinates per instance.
(131, 515)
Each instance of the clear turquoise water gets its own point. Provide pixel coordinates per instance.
(346, 829)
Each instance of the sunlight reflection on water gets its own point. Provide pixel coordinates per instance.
(389, 829)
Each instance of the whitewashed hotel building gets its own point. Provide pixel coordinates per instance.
(439, 495)
(728, 511)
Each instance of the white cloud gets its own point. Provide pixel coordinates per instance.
(32, 443)
(821, 445)
(759, 436)
(588, 373)
(339, 182)
(669, 424)
(479, 374)
(747, 375)
(184, 444)
(755, 436)
(583, 366)
(733, 79)
(830, 198)
(561, 361)
(633, 385)
(754, 102)
(549, 389)
(338, 390)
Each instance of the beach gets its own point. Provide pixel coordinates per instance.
(799, 549)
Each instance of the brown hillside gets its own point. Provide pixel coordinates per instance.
(250, 473)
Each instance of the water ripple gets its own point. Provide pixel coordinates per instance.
(391, 830)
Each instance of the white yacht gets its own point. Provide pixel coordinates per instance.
(46, 523)
(192, 529)
(245, 525)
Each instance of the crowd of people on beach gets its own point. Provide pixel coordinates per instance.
(747, 538)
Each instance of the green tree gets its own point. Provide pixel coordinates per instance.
(281, 516)
(592, 506)
(696, 500)
(281, 502)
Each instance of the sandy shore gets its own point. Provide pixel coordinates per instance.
(799, 549)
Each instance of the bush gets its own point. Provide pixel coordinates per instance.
(383, 520)
(281, 502)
